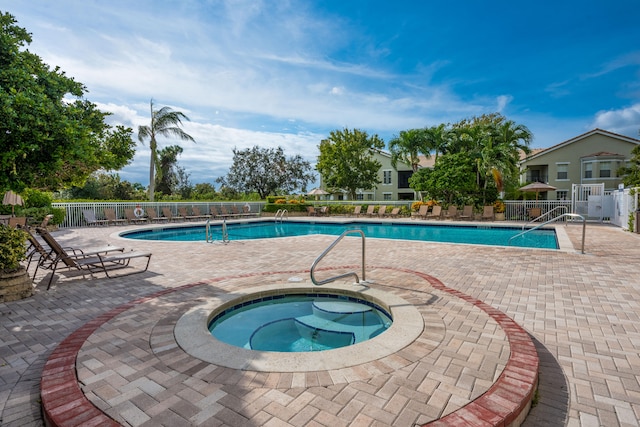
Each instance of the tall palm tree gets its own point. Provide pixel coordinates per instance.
(407, 147)
(164, 122)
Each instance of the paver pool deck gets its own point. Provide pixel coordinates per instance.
(581, 311)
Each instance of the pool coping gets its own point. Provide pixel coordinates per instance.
(194, 338)
(505, 403)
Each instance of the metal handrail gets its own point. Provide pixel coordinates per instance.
(280, 214)
(209, 236)
(566, 215)
(326, 251)
(546, 215)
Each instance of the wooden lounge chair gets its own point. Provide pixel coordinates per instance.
(370, 210)
(394, 212)
(487, 213)
(36, 252)
(103, 259)
(423, 211)
(324, 211)
(170, 216)
(534, 213)
(467, 213)
(110, 214)
(90, 218)
(357, 210)
(436, 212)
(214, 212)
(16, 221)
(132, 218)
(382, 211)
(198, 214)
(185, 214)
(451, 212)
(311, 211)
(224, 212)
(154, 217)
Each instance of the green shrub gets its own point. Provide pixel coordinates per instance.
(12, 247)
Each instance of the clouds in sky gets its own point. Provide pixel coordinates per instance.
(286, 73)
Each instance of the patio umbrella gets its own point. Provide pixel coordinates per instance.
(537, 187)
(13, 199)
(317, 192)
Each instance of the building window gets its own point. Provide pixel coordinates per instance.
(605, 169)
(369, 196)
(359, 196)
(563, 172)
(588, 170)
(386, 196)
(562, 194)
(386, 177)
(403, 179)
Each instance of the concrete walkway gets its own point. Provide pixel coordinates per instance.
(581, 310)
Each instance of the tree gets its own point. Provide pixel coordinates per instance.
(266, 170)
(407, 147)
(47, 140)
(346, 160)
(168, 170)
(166, 123)
(451, 180)
(631, 173)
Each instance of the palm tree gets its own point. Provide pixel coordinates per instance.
(164, 122)
(406, 148)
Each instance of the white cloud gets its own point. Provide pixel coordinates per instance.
(625, 121)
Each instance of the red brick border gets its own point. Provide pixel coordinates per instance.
(504, 404)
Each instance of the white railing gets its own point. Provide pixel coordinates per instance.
(75, 218)
(518, 210)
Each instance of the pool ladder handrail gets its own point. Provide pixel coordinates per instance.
(326, 251)
(209, 236)
(566, 215)
(280, 214)
(541, 217)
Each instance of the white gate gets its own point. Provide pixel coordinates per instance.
(590, 201)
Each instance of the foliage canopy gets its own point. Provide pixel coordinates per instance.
(48, 140)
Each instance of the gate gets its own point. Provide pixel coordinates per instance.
(591, 201)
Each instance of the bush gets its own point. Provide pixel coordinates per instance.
(12, 247)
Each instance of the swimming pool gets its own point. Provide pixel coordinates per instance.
(481, 234)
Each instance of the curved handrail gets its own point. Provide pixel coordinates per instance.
(209, 236)
(326, 251)
(280, 214)
(566, 215)
(545, 215)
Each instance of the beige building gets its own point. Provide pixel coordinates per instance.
(591, 158)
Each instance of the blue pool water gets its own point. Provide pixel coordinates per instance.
(297, 323)
(471, 234)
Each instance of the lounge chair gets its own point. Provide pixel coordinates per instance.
(197, 213)
(467, 213)
(132, 218)
(170, 216)
(371, 210)
(423, 211)
(451, 212)
(436, 212)
(90, 218)
(214, 212)
(382, 211)
(487, 213)
(103, 259)
(357, 210)
(154, 217)
(394, 212)
(35, 249)
(185, 214)
(311, 211)
(110, 214)
(224, 212)
(324, 211)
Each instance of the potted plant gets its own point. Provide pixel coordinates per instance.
(498, 210)
(15, 282)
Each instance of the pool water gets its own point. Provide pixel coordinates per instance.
(469, 234)
(299, 323)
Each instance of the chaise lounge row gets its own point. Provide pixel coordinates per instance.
(141, 216)
(467, 213)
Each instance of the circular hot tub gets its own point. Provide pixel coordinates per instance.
(384, 338)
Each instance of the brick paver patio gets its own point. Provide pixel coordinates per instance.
(581, 311)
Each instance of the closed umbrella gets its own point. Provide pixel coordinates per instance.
(13, 199)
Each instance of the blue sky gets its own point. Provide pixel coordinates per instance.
(286, 72)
